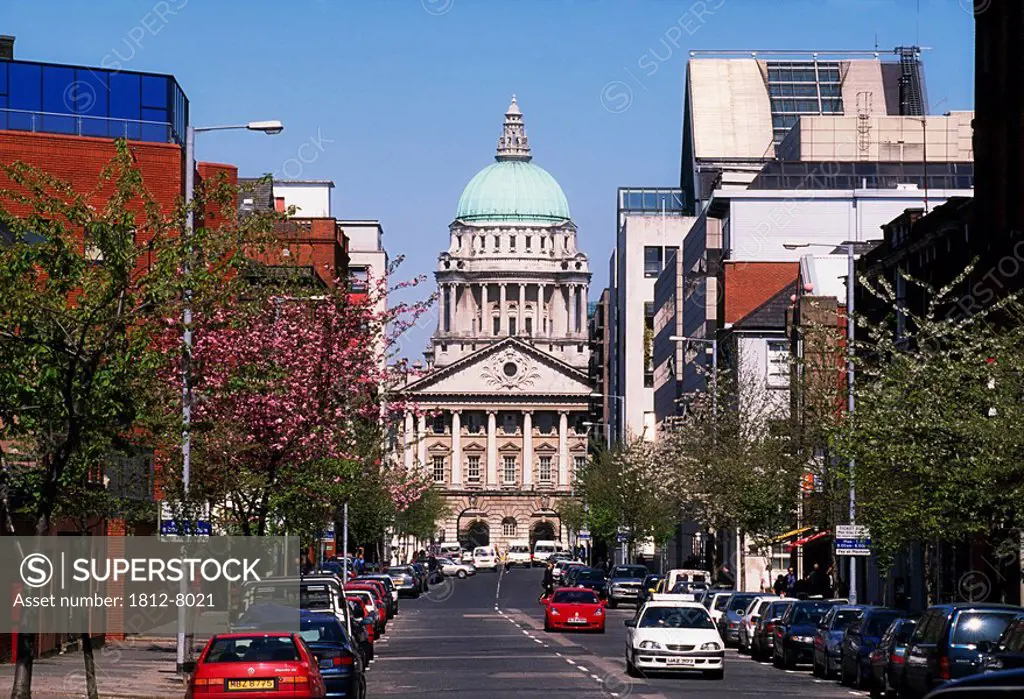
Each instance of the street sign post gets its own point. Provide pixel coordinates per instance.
(853, 540)
(169, 525)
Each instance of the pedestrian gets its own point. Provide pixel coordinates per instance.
(831, 576)
(780, 585)
(725, 577)
(790, 582)
(549, 580)
(640, 559)
(817, 581)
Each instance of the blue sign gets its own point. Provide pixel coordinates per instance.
(169, 527)
(623, 537)
(852, 540)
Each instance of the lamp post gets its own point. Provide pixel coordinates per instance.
(850, 376)
(622, 416)
(267, 127)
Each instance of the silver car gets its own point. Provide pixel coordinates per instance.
(404, 578)
(459, 570)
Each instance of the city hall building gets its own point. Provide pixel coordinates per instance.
(500, 412)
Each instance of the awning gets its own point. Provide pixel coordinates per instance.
(809, 539)
(791, 534)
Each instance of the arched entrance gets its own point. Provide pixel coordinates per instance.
(542, 531)
(478, 534)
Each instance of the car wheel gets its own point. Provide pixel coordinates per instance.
(630, 667)
(716, 674)
(816, 669)
(461, 575)
(789, 659)
(776, 659)
(601, 630)
(547, 626)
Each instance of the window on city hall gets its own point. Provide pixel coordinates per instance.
(545, 469)
(579, 463)
(473, 469)
(508, 526)
(509, 468)
(439, 469)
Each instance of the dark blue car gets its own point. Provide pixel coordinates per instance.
(945, 643)
(341, 664)
(860, 640)
(828, 638)
(794, 632)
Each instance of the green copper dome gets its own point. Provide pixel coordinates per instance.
(513, 189)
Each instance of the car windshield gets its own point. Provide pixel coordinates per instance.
(315, 597)
(878, 623)
(575, 597)
(722, 601)
(844, 618)
(325, 630)
(400, 570)
(629, 572)
(252, 649)
(905, 632)
(761, 607)
(808, 615)
(777, 609)
(684, 587)
(591, 575)
(675, 618)
(975, 627)
(739, 602)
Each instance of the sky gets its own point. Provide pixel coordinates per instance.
(400, 102)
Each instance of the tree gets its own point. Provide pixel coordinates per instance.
(419, 520)
(77, 332)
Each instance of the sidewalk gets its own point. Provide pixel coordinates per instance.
(132, 669)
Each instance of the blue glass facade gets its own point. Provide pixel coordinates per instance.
(50, 98)
(652, 199)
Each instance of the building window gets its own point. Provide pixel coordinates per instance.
(497, 326)
(512, 325)
(497, 242)
(509, 469)
(473, 469)
(358, 279)
(508, 526)
(509, 422)
(439, 469)
(648, 345)
(778, 364)
(529, 325)
(653, 260)
(512, 243)
(579, 463)
(545, 469)
(437, 424)
(529, 241)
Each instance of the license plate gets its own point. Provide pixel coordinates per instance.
(577, 620)
(249, 685)
(679, 661)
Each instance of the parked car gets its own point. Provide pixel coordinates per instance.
(422, 575)
(763, 641)
(732, 615)
(405, 581)
(571, 571)
(647, 588)
(751, 615)
(458, 570)
(542, 549)
(828, 639)
(341, 665)
(860, 640)
(246, 663)
(997, 685)
(593, 579)
(452, 550)
(386, 588)
(573, 608)
(363, 614)
(945, 643)
(888, 657)
(1008, 652)
(560, 567)
(519, 555)
(717, 603)
(624, 584)
(667, 636)
(794, 632)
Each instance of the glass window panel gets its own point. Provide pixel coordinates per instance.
(3, 110)
(60, 92)
(125, 97)
(158, 116)
(25, 90)
(93, 92)
(154, 91)
(3, 77)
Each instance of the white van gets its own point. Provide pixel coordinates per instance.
(485, 558)
(690, 574)
(518, 554)
(451, 550)
(543, 549)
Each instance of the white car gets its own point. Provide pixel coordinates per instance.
(749, 619)
(674, 636)
(459, 570)
(518, 555)
(718, 603)
(485, 558)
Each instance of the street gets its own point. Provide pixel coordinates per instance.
(484, 637)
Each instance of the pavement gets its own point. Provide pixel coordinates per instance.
(484, 637)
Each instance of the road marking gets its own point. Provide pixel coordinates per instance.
(569, 660)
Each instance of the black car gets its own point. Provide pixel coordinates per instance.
(859, 642)
(764, 633)
(647, 588)
(889, 656)
(570, 573)
(1008, 652)
(624, 584)
(593, 579)
(998, 685)
(945, 643)
(794, 632)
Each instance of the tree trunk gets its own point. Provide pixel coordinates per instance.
(90, 667)
(22, 687)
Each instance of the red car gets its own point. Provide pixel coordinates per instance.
(378, 600)
(574, 608)
(256, 666)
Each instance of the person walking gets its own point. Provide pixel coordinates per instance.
(780, 585)
(790, 583)
(548, 582)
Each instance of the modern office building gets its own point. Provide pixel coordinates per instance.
(497, 419)
(649, 228)
(599, 331)
(740, 105)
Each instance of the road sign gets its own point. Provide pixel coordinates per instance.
(623, 537)
(169, 525)
(853, 540)
(583, 536)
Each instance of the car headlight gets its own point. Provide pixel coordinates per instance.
(650, 645)
(803, 639)
(711, 645)
(554, 612)
(599, 612)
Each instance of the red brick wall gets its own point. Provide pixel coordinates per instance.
(216, 215)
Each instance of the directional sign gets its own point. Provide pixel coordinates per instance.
(169, 525)
(623, 537)
(852, 540)
(583, 536)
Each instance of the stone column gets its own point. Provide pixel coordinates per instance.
(408, 441)
(503, 311)
(573, 319)
(521, 323)
(457, 448)
(563, 448)
(441, 307)
(538, 312)
(527, 448)
(492, 448)
(422, 444)
(485, 313)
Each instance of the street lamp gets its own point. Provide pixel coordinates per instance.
(622, 416)
(267, 127)
(850, 376)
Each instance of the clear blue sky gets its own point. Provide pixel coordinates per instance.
(406, 96)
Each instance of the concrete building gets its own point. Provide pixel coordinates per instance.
(311, 198)
(368, 260)
(650, 226)
(739, 105)
(498, 418)
(599, 330)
